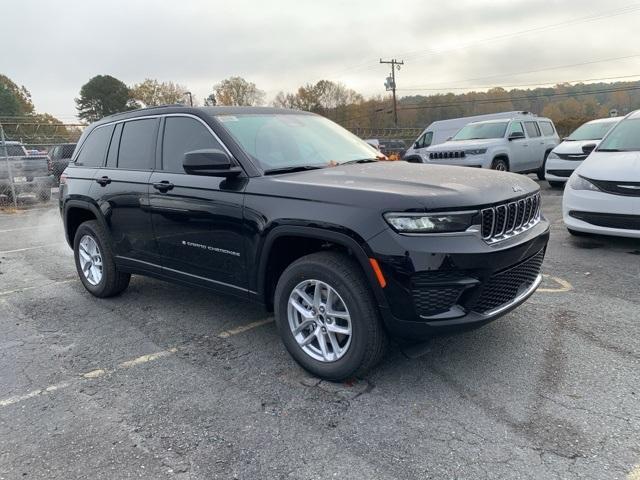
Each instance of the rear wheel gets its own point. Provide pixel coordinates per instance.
(500, 164)
(94, 262)
(327, 316)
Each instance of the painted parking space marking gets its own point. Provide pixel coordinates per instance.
(37, 247)
(143, 359)
(562, 285)
(244, 328)
(33, 287)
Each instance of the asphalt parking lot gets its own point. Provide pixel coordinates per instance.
(171, 382)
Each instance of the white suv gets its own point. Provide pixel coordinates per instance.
(519, 144)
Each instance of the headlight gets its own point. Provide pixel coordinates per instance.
(476, 151)
(430, 223)
(580, 183)
(553, 156)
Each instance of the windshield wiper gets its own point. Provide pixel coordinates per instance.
(291, 169)
(361, 160)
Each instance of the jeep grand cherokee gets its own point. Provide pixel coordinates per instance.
(288, 209)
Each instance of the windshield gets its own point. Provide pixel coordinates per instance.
(591, 131)
(624, 137)
(281, 141)
(475, 131)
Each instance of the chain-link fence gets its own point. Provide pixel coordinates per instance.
(393, 142)
(33, 155)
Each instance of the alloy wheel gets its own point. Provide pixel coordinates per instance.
(319, 320)
(90, 259)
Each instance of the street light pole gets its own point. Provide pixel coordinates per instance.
(190, 98)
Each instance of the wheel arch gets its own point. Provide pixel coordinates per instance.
(77, 212)
(319, 237)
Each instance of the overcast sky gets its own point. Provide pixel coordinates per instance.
(53, 48)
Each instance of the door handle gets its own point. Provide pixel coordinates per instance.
(103, 181)
(163, 186)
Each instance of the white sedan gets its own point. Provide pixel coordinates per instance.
(603, 194)
(568, 156)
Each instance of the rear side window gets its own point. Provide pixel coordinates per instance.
(547, 129)
(532, 129)
(94, 148)
(182, 135)
(138, 144)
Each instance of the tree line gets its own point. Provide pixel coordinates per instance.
(567, 105)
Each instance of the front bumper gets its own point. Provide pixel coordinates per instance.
(438, 283)
(32, 185)
(585, 204)
(558, 170)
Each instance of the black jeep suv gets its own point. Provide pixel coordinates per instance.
(288, 209)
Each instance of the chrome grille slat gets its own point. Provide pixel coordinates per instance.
(508, 219)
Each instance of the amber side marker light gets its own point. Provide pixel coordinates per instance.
(378, 272)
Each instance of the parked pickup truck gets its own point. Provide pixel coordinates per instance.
(28, 173)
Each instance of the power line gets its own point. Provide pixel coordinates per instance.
(416, 106)
(557, 67)
(534, 84)
(368, 64)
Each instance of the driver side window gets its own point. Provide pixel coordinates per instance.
(425, 140)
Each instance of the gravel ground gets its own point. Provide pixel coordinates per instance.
(171, 382)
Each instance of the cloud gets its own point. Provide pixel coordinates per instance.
(55, 47)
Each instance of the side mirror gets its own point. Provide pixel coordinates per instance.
(416, 145)
(213, 162)
(588, 148)
(516, 135)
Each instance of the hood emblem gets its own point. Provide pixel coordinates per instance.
(517, 188)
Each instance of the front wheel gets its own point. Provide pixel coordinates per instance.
(327, 316)
(500, 165)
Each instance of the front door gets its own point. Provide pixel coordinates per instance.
(197, 219)
(520, 151)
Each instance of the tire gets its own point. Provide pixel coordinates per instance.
(500, 164)
(368, 340)
(111, 282)
(553, 184)
(44, 194)
(541, 171)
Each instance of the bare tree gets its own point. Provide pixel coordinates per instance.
(237, 91)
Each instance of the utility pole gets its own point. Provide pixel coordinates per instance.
(190, 98)
(390, 84)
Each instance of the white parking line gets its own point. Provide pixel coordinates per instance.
(46, 225)
(24, 289)
(100, 372)
(244, 328)
(32, 248)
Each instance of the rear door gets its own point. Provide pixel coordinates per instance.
(197, 219)
(122, 192)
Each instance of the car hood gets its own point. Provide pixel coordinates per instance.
(386, 186)
(463, 145)
(572, 147)
(614, 166)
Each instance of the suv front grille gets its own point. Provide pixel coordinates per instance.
(629, 189)
(508, 219)
(608, 220)
(572, 156)
(561, 173)
(437, 291)
(503, 287)
(455, 154)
